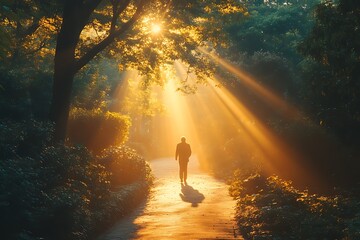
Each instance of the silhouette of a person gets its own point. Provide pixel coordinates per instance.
(183, 152)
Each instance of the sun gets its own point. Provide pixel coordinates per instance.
(156, 28)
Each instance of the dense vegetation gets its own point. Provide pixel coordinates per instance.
(306, 51)
(63, 192)
(60, 64)
(271, 208)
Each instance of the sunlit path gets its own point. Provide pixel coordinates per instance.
(201, 210)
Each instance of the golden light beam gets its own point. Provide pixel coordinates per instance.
(250, 82)
(277, 156)
(277, 153)
(156, 28)
(212, 117)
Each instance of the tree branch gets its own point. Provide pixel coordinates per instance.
(114, 15)
(90, 5)
(41, 46)
(124, 5)
(117, 10)
(109, 39)
(31, 29)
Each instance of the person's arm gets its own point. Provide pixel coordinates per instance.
(176, 152)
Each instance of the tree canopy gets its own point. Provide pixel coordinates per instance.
(124, 30)
(98, 59)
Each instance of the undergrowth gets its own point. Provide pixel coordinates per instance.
(271, 208)
(54, 191)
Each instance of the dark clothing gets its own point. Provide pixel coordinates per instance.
(183, 152)
(183, 170)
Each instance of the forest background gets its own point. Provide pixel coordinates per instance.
(306, 51)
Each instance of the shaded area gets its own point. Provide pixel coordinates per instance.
(191, 195)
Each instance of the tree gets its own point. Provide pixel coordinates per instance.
(333, 46)
(265, 45)
(27, 30)
(123, 28)
(273, 27)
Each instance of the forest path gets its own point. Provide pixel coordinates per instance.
(202, 209)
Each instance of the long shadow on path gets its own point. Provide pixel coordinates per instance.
(201, 209)
(191, 195)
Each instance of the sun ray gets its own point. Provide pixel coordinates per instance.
(269, 97)
(211, 119)
(156, 28)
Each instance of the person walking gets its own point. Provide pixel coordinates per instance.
(183, 152)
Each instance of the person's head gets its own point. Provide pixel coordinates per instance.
(183, 139)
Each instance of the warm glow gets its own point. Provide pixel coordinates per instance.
(272, 99)
(156, 28)
(213, 118)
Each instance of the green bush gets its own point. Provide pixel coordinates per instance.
(125, 165)
(53, 196)
(76, 187)
(54, 191)
(270, 208)
(25, 138)
(96, 129)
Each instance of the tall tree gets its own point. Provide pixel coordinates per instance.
(124, 29)
(334, 45)
(27, 33)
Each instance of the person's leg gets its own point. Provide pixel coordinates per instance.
(181, 171)
(185, 170)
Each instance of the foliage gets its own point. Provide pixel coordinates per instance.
(125, 165)
(25, 79)
(76, 187)
(270, 208)
(334, 40)
(91, 92)
(20, 139)
(28, 27)
(43, 186)
(265, 46)
(124, 30)
(24, 94)
(323, 84)
(55, 192)
(273, 71)
(272, 28)
(96, 129)
(184, 26)
(322, 152)
(96, 83)
(332, 68)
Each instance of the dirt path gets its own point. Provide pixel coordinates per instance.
(201, 209)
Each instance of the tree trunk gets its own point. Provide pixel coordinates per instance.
(76, 14)
(64, 70)
(61, 99)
